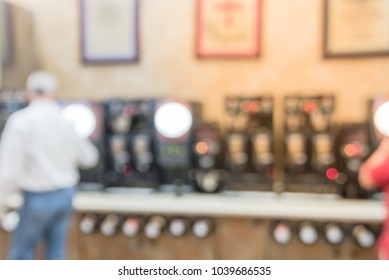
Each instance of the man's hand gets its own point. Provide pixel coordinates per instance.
(10, 221)
(379, 156)
(364, 178)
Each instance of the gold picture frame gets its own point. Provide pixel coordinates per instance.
(228, 28)
(356, 28)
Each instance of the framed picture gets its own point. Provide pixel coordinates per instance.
(228, 28)
(109, 31)
(356, 28)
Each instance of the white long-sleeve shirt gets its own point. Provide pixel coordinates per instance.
(40, 150)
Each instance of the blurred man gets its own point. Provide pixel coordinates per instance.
(40, 153)
(374, 173)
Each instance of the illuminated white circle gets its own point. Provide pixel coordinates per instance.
(201, 229)
(130, 227)
(173, 120)
(177, 227)
(282, 234)
(366, 240)
(210, 181)
(152, 231)
(364, 237)
(86, 226)
(308, 234)
(381, 118)
(334, 234)
(88, 223)
(82, 117)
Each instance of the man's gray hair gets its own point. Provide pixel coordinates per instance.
(42, 83)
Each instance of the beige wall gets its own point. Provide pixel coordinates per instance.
(290, 61)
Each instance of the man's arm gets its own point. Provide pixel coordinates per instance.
(375, 171)
(12, 159)
(88, 154)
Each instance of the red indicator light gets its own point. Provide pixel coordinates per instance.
(310, 106)
(128, 110)
(250, 106)
(269, 172)
(332, 173)
(253, 106)
(202, 147)
(351, 150)
(127, 170)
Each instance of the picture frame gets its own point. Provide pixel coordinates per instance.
(228, 28)
(109, 31)
(356, 28)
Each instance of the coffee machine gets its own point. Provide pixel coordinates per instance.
(354, 148)
(130, 144)
(310, 137)
(249, 138)
(207, 175)
(174, 122)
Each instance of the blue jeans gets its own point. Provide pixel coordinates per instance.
(43, 216)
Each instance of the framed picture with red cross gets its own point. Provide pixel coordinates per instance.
(228, 28)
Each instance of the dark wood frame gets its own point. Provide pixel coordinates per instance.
(351, 54)
(228, 55)
(111, 59)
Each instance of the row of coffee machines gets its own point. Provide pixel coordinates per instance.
(165, 144)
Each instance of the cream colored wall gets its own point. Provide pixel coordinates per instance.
(290, 61)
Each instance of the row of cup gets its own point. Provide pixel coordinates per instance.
(308, 233)
(153, 226)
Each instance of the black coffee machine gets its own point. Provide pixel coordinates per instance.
(354, 148)
(129, 143)
(249, 150)
(173, 131)
(207, 175)
(310, 137)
